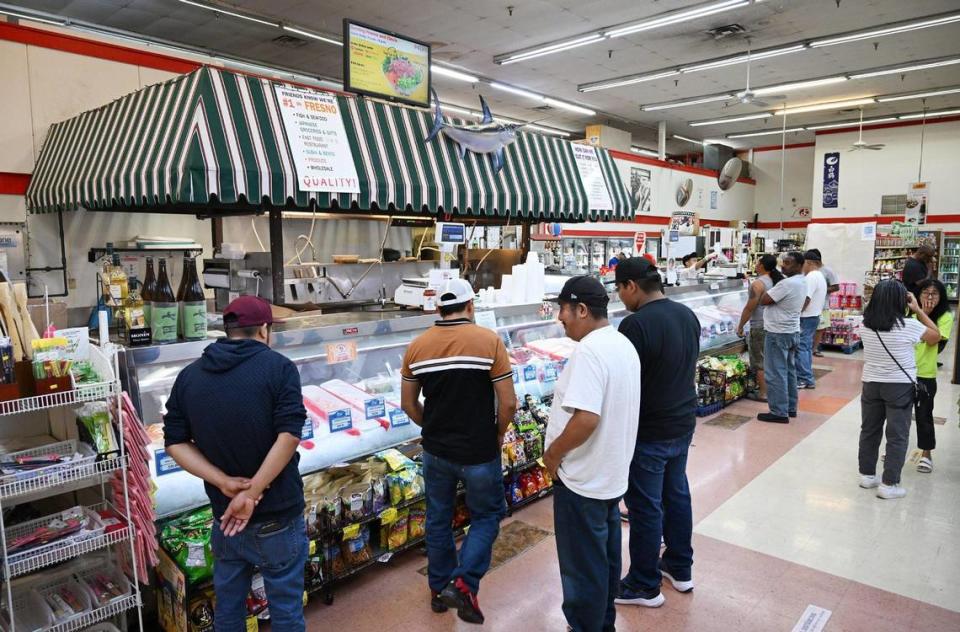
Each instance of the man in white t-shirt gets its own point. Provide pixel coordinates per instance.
(589, 445)
(781, 326)
(810, 317)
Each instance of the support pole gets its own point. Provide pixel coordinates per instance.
(276, 255)
(662, 140)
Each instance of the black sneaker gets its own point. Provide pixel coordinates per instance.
(436, 603)
(792, 413)
(777, 419)
(458, 596)
(646, 598)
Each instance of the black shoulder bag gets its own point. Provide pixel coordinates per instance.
(919, 389)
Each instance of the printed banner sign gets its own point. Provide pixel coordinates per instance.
(588, 164)
(375, 408)
(338, 352)
(918, 200)
(165, 463)
(399, 418)
(831, 179)
(340, 420)
(318, 140)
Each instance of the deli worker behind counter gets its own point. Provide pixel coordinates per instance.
(234, 418)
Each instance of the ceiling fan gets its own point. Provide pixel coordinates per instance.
(862, 145)
(748, 96)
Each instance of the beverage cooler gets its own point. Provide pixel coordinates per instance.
(950, 265)
(350, 364)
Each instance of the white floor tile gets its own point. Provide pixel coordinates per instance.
(807, 508)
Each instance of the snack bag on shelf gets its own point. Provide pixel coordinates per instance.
(187, 540)
(356, 550)
(397, 536)
(417, 521)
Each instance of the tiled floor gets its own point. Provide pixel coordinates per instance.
(780, 524)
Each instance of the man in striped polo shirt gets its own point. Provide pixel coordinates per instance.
(465, 375)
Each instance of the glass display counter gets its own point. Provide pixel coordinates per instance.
(350, 370)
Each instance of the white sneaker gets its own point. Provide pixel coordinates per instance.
(679, 586)
(891, 492)
(868, 482)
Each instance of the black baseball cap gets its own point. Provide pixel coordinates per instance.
(636, 269)
(812, 255)
(583, 289)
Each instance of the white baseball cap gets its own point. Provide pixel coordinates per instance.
(454, 292)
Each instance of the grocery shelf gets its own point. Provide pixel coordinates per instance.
(81, 394)
(530, 499)
(97, 615)
(56, 479)
(54, 554)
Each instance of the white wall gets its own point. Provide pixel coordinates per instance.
(734, 204)
(798, 182)
(865, 176)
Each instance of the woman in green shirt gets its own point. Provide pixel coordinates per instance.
(933, 302)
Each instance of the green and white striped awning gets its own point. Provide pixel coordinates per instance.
(215, 139)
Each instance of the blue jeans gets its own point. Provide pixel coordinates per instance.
(808, 329)
(280, 556)
(780, 371)
(487, 505)
(659, 505)
(588, 547)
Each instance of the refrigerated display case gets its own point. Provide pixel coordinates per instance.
(587, 256)
(354, 406)
(950, 265)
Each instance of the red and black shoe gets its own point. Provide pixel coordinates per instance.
(436, 603)
(459, 596)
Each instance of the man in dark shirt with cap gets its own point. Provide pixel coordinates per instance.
(234, 418)
(666, 336)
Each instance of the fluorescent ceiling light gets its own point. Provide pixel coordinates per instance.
(766, 132)
(854, 123)
(547, 130)
(734, 119)
(901, 69)
(880, 32)
(230, 13)
(443, 71)
(24, 16)
(677, 17)
(519, 91)
(552, 48)
(680, 104)
(798, 85)
(446, 107)
(819, 107)
(626, 81)
(919, 95)
(645, 152)
(563, 105)
(740, 59)
(689, 140)
(907, 117)
(316, 36)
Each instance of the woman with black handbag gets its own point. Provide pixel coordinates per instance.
(889, 382)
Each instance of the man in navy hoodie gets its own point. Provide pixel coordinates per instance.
(234, 419)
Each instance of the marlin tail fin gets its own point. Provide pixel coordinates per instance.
(487, 116)
(437, 117)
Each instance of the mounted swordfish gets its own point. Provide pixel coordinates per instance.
(489, 137)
